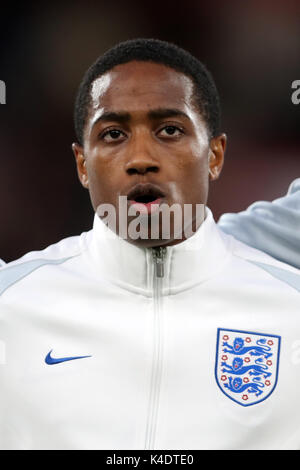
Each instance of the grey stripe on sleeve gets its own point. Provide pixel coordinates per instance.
(13, 274)
(292, 279)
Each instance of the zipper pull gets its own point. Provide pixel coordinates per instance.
(158, 256)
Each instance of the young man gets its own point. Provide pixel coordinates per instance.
(119, 339)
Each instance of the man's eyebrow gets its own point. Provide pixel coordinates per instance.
(121, 117)
(124, 116)
(161, 113)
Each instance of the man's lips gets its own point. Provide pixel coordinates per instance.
(145, 197)
(149, 190)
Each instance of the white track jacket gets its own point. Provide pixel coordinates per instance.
(105, 345)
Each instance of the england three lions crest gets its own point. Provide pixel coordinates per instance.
(247, 365)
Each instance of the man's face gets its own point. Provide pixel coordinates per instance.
(143, 127)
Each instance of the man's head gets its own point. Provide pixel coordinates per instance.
(148, 112)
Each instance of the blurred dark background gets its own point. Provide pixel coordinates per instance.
(251, 48)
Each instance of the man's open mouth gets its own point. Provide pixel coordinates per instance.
(145, 193)
(145, 199)
(144, 196)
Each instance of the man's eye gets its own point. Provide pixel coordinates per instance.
(112, 135)
(170, 131)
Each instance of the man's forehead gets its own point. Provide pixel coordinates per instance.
(140, 81)
(99, 88)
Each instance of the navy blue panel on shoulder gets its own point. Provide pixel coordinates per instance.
(11, 274)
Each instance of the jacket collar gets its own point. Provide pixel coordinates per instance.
(186, 264)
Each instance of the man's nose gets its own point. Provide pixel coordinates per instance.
(141, 158)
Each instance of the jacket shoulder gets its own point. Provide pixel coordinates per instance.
(55, 254)
(277, 269)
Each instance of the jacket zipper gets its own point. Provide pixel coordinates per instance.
(158, 255)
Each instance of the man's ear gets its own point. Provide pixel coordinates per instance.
(81, 164)
(217, 149)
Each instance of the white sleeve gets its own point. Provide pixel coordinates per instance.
(272, 227)
(2, 263)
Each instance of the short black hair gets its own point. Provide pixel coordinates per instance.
(157, 51)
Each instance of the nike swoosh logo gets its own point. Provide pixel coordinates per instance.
(51, 360)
